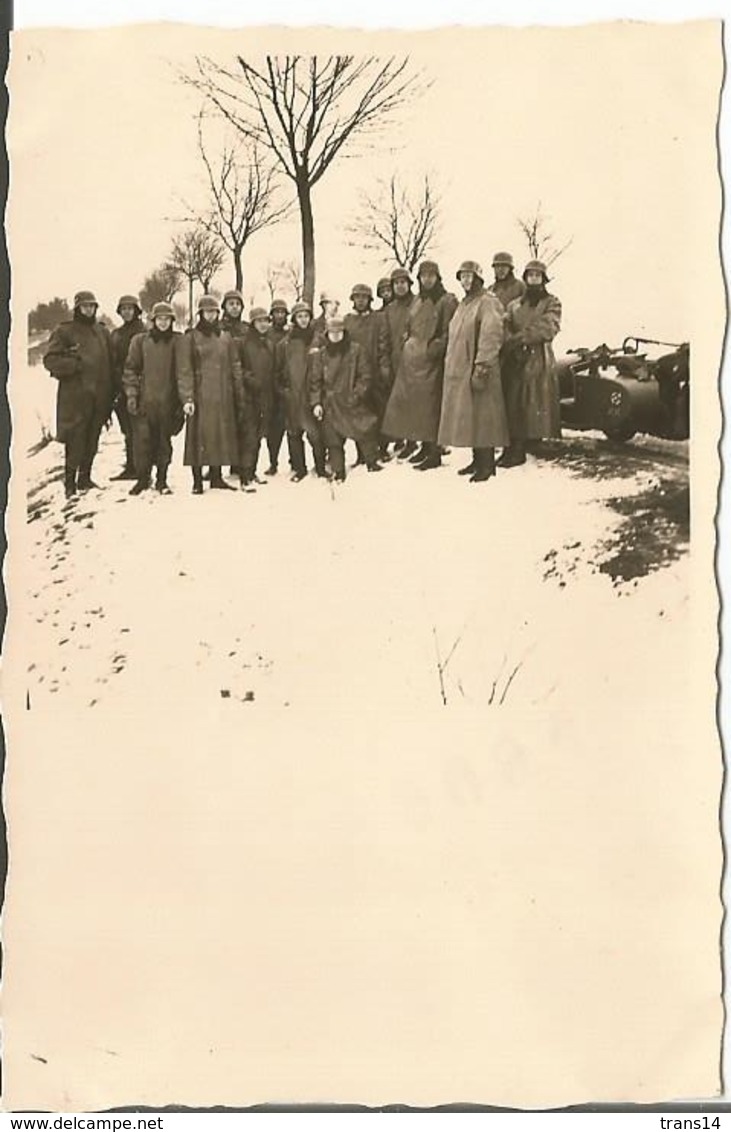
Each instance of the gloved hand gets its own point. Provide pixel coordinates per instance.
(189, 408)
(318, 412)
(481, 374)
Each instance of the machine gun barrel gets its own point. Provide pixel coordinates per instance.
(650, 342)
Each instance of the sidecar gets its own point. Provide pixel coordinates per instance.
(622, 391)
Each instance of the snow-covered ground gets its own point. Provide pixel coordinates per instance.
(340, 783)
(318, 594)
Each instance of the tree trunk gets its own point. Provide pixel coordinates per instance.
(238, 269)
(308, 239)
(190, 300)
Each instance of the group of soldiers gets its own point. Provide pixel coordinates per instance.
(421, 373)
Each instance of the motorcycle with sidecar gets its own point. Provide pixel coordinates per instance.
(623, 391)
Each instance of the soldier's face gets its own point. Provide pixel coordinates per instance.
(163, 322)
(87, 309)
(233, 308)
(502, 271)
(401, 288)
(428, 279)
(328, 308)
(210, 316)
(361, 303)
(127, 312)
(335, 335)
(302, 319)
(467, 278)
(279, 318)
(261, 325)
(534, 278)
(385, 293)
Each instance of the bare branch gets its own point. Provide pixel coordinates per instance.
(540, 238)
(398, 223)
(244, 195)
(197, 256)
(306, 111)
(160, 286)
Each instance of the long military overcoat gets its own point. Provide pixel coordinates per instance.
(473, 410)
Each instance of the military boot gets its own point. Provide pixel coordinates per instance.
(469, 469)
(484, 465)
(433, 459)
(218, 482)
(161, 483)
(86, 483)
(69, 482)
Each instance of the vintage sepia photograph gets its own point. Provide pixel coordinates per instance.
(359, 679)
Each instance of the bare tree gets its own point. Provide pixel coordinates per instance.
(539, 237)
(160, 286)
(294, 280)
(272, 278)
(197, 256)
(243, 196)
(284, 278)
(305, 110)
(397, 221)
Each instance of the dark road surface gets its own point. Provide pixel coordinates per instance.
(655, 527)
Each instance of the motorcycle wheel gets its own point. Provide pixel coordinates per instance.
(621, 434)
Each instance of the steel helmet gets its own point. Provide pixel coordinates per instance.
(257, 313)
(385, 281)
(336, 323)
(128, 301)
(400, 273)
(232, 295)
(429, 265)
(470, 265)
(85, 297)
(162, 309)
(362, 289)
(536, 265)
(327, 297)
(208, 303)
(279, 305)
(300, 306)
(503, 259)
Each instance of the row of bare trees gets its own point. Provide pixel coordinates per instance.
(286, 120)
(306, 111)
(401, 226)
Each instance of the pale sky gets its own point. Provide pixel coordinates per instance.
(612, 127)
